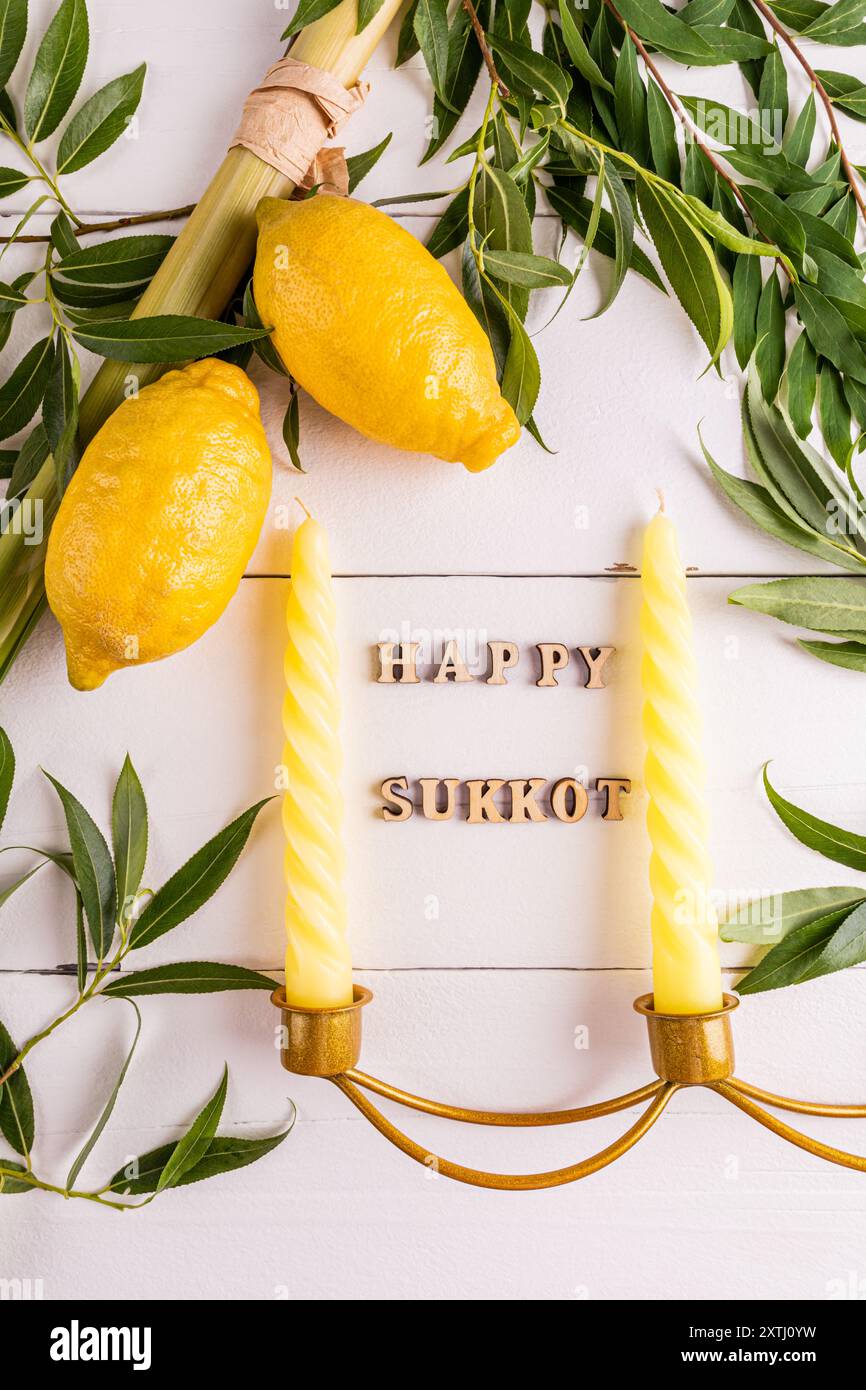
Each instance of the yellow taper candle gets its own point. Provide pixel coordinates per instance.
(318, 964)
(686, 972)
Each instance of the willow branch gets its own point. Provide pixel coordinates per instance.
(823, 96)
(485, 48)
(138, 219)
(687, 124)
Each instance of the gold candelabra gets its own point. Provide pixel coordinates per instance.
(686, 1050)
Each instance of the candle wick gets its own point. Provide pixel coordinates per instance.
(660, 495)
(309, 516)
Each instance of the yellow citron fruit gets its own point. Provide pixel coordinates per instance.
(374, 329)
(159, 520)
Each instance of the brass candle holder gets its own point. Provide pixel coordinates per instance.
(686, 1050)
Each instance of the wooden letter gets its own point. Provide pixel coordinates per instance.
(523, 804)
(559, 800)
(613, 786)
(406, 661)
(452, 665)
(553, 657)
(503, 655)
(595, 665)
(429, 788)
(482, 807)
(395, 790)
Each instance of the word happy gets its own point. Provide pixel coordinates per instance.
(497, 800)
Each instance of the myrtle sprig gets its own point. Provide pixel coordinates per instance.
(120, 916)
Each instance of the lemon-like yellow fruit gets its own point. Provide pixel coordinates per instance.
(373, 328)
(159, 520)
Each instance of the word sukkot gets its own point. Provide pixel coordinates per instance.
(487, 800)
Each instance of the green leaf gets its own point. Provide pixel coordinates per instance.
(768, 920)
(651, 20)
(224, 1155)
(800, 480)
(747, 292)
(13, 30)
(407, 42)
(773, 93)
(57, 70)
(792, 960)
(706, 11)
(823, 239)
(503, 224)
(431, 31)
(727, 126)
(730, 46)
(63, 237)
(844, 288)
(797, 144)
(488, 308)
(199, 878)
(187, 977)
(746, 18)
(622, 222)
(308, 12)
(21, 393)
(521, 379)
(452, 228)
(722, 231)
(834, 414)
(690, 265)
(463, 67)
(576, 211)
(802, 384)
(845, 14)
(762, 508)
(359, 165)
(541, 74)
(264, 348)
(93, 1137)
(10, 1185)
(94, 870)
(631, 104)
(846, 946)
(845, 91)
(60, 413)
(829, 333)
(17, 1124)
(127, 260)
(292, 430)
(770, 350)
(777, 223)
(101, 121)
(163, 338)
(662, 134)
(578, 51)
(12, 181)
(128, 835)
(519, 268)
(7, 773)
(851, 656)
(843, 846)
(367, 10)
(823, 604)
(192, 1148)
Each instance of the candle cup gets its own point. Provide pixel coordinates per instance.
(321, 1042)
(690, 1049)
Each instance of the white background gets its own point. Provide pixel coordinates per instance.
(486, 947)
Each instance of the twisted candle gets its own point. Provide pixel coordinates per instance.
(318, 964)
(686, 972)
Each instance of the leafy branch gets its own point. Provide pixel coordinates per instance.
(811, 931)
(119, 917)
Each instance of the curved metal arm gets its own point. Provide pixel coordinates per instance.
(510, 1118)
(737, 1093)
(511, 1182)
(800, 1107)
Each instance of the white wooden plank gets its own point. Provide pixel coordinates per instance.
(204, 730)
